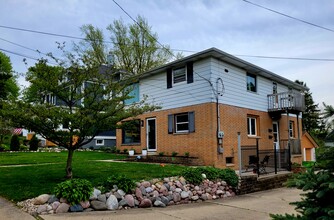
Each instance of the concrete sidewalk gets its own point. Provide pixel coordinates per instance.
(250, 206)
(9, 211)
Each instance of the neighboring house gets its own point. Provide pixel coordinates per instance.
(206, 99)
(308, 147)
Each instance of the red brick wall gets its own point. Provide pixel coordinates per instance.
(203, 142)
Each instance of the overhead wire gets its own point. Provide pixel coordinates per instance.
(289, 16)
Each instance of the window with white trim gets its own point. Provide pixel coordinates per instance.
(179, 75)
(251, 82)
(251, 126)
(181, 123)
(99, 142)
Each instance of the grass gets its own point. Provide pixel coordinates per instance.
(22, 182)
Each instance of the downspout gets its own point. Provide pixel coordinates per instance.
(289, 141)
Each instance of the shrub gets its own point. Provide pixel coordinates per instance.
(122, 182)
(187, 154)
(74, 190)
(23, 147)
(161, 154)
(33, 143)
(15, 143)
(192, 175)
(125, 151)
(118, 151)
(174, 154)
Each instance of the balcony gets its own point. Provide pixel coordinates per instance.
(290, 101)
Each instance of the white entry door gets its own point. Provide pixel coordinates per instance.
(151, 134)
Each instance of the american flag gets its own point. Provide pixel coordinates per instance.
(17, 131)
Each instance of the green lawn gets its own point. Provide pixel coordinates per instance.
(23, 182)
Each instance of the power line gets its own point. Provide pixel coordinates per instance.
(28, 48)
(24, 56)
(288, 16)
(286, 58)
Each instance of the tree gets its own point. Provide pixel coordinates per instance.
(77, 93)
(328, 114)
(311, 115)
(33, 143)
(317, 202)
(15, 143)
(135, 48)
(8, 85)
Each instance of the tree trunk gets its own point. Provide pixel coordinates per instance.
(69, 163)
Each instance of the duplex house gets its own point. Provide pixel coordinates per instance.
(208, 101)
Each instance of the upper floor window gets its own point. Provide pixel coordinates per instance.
(179, 75)
(251, 125)
(251, 82)
(291, 129)
(133, 93)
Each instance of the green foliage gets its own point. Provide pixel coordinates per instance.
(125, 151)
(118, 151)
(23, 147)
(15, 143)
(174, 154)
(8, 84)
(74, 190)
(194, 175)
(33, 143)
(187, 154)
(318, 187)
(161, 154)
(121, 181)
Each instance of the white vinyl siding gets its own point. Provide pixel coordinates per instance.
(181, 94)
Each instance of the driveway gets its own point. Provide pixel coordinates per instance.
(250, 206)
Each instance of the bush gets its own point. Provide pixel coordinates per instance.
(15, 143)
(23, 147)
(122, 182)
(174, 154)
(161, 154)
(33, 143)
(125, 151)
(74, 190)
(194, 175)
(186, 154)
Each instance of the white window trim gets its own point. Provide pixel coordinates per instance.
(249, 120)
(185, 73)
(291, 129)
(180, 123)
(99, 144)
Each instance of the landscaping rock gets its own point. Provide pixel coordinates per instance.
(130, 200)
(194, 198)
(76, 208)
(41, 209)
(178, 190)
(118, 196)
(95, 194)
(123, 203)
(146, 184)
(184, 194)
(55, 205)
(52, 199)
(85, 204)
(112, 203)
(41, 199)
(138, 193)
(143, 191)
(148, 189)
(164, 199)
(98, 205)
(63, 208)
(62, 200)
(102, 198)
(121, 192)
(145, 203)
(158, 203)
(88, 210)
(176, 197)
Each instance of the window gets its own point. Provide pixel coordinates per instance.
(99, 142)
(179, 75)
(181, 123)
(131, 132)
(251, 126)
(291, 130)
(251, 82)
(229, 160)
(133, 93)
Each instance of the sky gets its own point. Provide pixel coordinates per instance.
(234, 26)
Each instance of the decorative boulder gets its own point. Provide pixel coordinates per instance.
(62, 208)
(145, 203)
(95, 194)
(130, 200)
(76, 208)
(42, 199)
(98, 205)
(112, 203)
